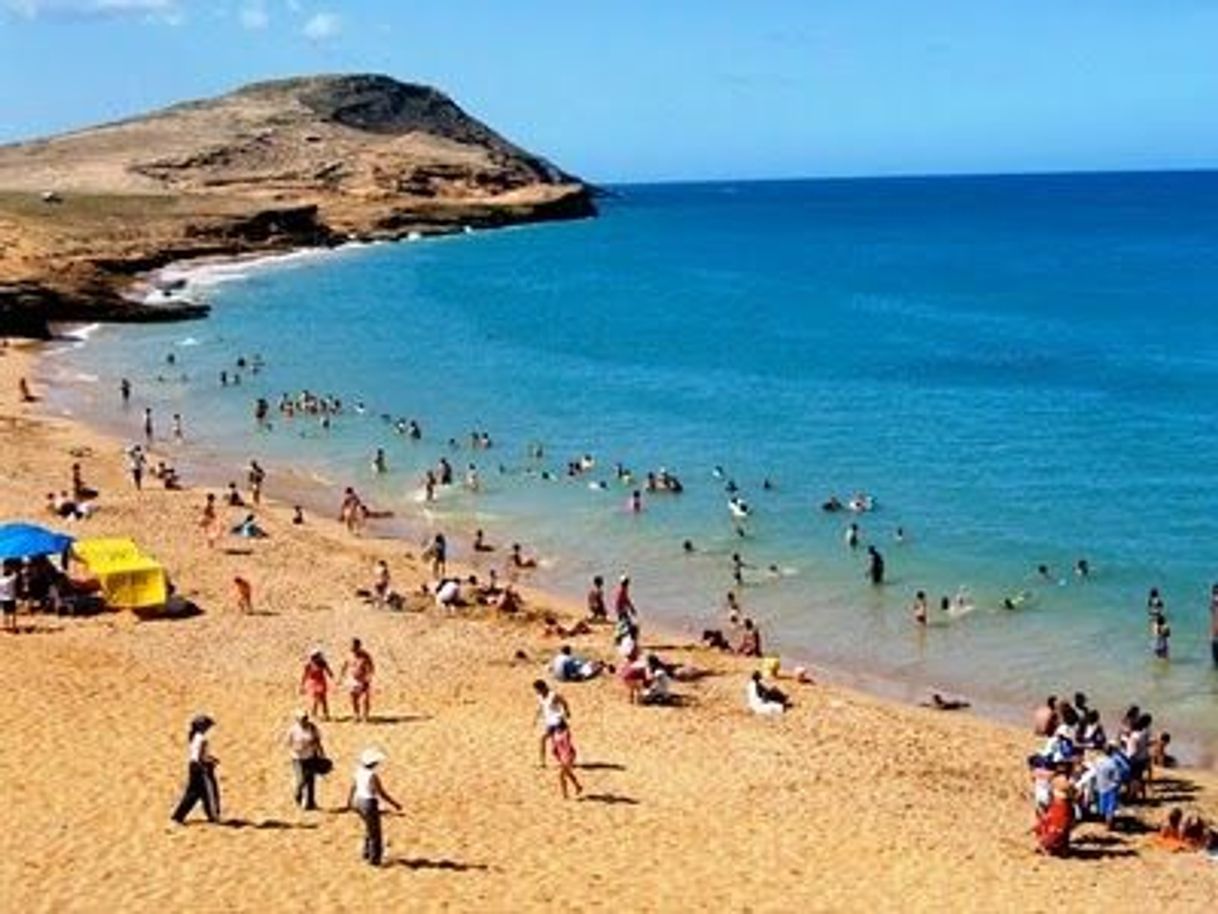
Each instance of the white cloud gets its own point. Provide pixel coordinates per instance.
(33, 9)
(254, 17)
(321, 26)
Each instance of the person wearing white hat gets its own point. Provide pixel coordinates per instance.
(201, 783)
(365, 797)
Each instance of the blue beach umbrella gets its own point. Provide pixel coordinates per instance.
(19, 541)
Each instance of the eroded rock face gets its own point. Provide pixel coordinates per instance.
(272, 166)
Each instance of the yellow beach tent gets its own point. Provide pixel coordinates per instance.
(128, 578)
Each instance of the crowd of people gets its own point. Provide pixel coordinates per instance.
(1083, 773)
(1078, 774)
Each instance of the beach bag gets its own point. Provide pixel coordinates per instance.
(321, 765)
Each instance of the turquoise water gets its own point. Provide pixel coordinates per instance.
(1020, 370)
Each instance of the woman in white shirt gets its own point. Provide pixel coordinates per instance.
(366, 794)
(201, 785)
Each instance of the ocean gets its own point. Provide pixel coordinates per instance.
(1019, 370)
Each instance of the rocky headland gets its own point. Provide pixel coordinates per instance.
(274, 166)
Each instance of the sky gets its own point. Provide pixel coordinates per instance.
(642, 90)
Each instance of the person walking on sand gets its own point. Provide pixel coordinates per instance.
(135, 465)
(314, 682)
(357, 672)
(365, 798)
(308, 758)
(555, 715)
(552, 711)
(209, 522)
(201, 784)
(245, 595)
(256, 477)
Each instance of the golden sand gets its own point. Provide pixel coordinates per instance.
(847, 803)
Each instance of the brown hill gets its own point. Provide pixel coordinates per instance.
(307, 161)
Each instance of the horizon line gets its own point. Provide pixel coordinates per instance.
(913, 176)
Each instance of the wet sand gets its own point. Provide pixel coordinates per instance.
(847, 803)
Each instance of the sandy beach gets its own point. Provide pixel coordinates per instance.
(845, 803)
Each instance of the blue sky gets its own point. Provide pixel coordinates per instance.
(637, 90)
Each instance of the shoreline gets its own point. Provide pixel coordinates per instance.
(1195, 748)
(944, 797)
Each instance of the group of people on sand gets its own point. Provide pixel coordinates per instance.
(1083, 773)
(306, 750)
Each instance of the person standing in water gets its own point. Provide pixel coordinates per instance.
(365, 798)
(875, 567)
(852, 536)
(148, 423)
(201, 785)
(1161, 632)
(124, 391)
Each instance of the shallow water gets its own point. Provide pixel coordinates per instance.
(1020, 370)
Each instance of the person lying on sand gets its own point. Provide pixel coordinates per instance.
(939, 703)
(567, 667)
(555, 629)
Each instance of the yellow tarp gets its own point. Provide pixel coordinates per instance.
(129, 579)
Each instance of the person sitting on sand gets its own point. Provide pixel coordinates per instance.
(234, 498)
(480, 543)
(509, 601)
(762, 699)
(750, 640)
(356, 672)
(714, 639)
(567, 667)
(315, 683)
(80, 491)
(657, 688)
(249, 529)
(23, 391)
(1159, 756)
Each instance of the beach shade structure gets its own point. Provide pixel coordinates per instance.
(24, 541)
(128, 578)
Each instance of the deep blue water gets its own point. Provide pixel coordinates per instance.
(1019, 369)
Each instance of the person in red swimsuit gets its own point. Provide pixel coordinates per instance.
(314, 683)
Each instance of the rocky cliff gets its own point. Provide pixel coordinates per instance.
(272, 166)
